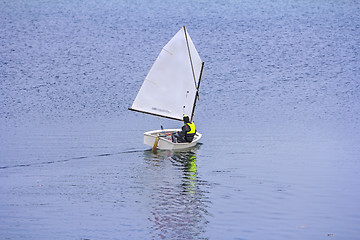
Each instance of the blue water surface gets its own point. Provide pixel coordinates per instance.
(279, 112)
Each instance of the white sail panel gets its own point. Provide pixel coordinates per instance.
(169, 89)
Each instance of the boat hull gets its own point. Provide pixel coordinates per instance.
(165, 142)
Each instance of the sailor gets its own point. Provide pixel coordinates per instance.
(187, 132)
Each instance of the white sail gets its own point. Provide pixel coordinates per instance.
(169, 89)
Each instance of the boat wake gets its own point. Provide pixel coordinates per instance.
(71, 159)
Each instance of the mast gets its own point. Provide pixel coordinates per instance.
(197, 91)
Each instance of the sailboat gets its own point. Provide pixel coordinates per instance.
(171, 89)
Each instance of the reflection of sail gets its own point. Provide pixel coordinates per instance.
(178, 203)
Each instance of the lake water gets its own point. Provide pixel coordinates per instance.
(279, 112)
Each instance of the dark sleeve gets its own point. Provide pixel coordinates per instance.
(185, 128)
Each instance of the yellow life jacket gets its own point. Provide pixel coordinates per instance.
(192, 128)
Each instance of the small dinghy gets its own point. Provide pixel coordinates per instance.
(171, 89)
(164, 141)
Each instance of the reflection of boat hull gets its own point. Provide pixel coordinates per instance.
(165, 142)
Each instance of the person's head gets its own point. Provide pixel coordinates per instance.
(186, 119)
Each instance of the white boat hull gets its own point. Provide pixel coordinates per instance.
(165, 142)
